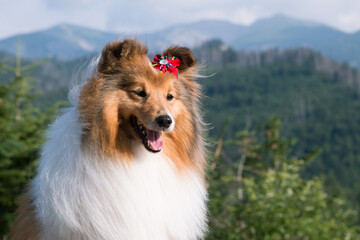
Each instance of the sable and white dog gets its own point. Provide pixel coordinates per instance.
(127, 161)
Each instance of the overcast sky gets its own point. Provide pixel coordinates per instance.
(135, 16)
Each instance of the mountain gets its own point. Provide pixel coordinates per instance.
(272, 33)
(193, 34)
(66, 41)
(63, 41)
(284, 32)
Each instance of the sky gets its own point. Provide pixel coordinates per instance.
(138, 16)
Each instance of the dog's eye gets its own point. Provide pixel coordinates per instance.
(140, 93)
(169, 97)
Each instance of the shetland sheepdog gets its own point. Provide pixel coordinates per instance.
(127, 160)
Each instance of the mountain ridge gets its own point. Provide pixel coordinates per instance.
(67, 41)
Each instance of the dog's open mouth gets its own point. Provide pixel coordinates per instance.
(151, 139)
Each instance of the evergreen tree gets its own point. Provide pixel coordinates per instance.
(21, 135)
(263, 196)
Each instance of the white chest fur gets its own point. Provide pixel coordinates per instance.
(87, 197)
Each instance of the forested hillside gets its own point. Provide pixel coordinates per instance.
(51, 80)
(316, 99)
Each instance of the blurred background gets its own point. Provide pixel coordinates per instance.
(282, 100)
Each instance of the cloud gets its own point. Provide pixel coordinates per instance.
(348, 21)
(68, 5)
(139, 16)
(148, 15)
(23, 16)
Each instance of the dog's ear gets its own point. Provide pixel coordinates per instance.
(115, 55)
(187, 59)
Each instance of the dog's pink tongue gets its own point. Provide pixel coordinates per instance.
(154, 139)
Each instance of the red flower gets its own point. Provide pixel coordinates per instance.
(165, 64)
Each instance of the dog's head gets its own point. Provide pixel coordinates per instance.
(129, 100)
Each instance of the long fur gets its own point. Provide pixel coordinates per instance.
(96, 180)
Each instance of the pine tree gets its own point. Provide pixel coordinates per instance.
(21, 135)
(263, 196)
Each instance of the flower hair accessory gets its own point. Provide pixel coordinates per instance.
(166, 64)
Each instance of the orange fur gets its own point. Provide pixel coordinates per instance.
(124, 68)
(178, 144)
(26, 226)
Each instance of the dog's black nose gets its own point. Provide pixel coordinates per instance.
(164, 121)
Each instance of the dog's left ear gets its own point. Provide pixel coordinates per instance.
(187, 59)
